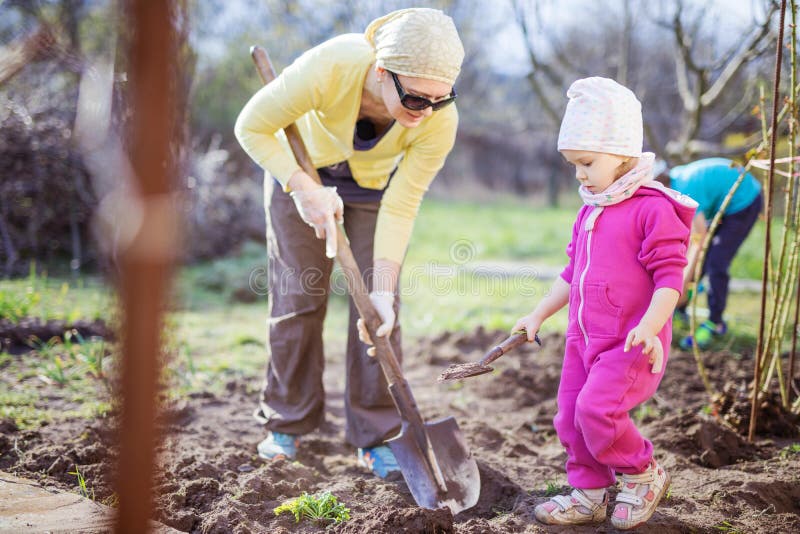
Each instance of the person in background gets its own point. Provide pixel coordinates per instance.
(622, 281)
(375, 111)
(708, 181)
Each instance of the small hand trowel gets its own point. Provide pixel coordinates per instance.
(467, 370)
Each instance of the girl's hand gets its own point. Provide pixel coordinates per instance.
(652, 346)
(530, 323)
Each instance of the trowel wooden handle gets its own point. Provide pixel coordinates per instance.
(512, 342)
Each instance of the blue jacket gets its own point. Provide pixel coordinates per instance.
(708, 181)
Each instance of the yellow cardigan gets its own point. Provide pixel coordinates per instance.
(321, 92)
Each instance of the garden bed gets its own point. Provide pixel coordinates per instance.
(211, 480)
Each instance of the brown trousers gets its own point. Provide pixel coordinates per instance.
(293, 398)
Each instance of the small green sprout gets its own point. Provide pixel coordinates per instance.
(321, 507)
(644, 412)
(790, 450)
(84, 490)
(726, 526)
(551, 489)
(56, 371)
(93, 356)
(498, 511)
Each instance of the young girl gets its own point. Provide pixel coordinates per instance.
(622, 282)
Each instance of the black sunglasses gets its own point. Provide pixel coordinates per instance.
(418, 103)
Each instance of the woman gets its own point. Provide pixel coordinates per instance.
(708, 181)
(375, 113)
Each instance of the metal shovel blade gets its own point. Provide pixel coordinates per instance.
(458, 466)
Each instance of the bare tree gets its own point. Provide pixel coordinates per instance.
(16, 55)
(702, 80)
(694, 105)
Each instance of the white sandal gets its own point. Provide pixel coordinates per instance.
(639, 497)
(573, 509)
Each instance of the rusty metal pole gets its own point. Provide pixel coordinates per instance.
(146, 263)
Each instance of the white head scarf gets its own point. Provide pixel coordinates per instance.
(417, 42)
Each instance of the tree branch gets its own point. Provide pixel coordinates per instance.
(15, 56)
(683, 62)
(734, 113)
(537, 66)
(764, 33)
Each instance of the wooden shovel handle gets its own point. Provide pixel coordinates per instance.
(355, 283)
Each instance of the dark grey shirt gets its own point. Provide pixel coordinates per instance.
(339, 175)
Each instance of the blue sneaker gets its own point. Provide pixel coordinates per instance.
(380, 460)
(278, 445)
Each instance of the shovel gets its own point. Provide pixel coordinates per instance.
(467, 370)
(433, 457)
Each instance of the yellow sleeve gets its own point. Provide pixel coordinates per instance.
(400, 204)
(297, 90)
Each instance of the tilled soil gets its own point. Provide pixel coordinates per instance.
(212, 481)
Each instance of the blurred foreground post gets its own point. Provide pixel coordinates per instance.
(146, 263)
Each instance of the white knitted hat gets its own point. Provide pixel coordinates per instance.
(602, 116)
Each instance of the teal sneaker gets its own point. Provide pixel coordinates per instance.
(680, 318)
(278, 445)
(704, 334)
(380, 460)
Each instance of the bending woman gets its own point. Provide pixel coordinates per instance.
(375, 111)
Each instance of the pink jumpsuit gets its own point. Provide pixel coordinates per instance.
(628, 251)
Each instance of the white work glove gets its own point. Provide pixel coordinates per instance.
(321, 209)
(383, 301)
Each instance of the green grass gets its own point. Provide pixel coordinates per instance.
(212, 284)
(504, 230)
(790, 450)
(727, 526)
(220, 341)
(438, 297)
(440, 292)
(528, 232)
(551, 488)
(54, 298)
(20, 406)
(57, 380)
(749, 259)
